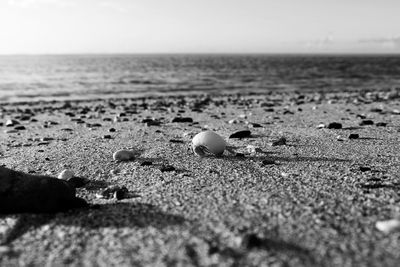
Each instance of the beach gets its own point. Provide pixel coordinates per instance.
(312, 199)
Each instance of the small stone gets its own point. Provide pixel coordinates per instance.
(320, 126)
(111, 192)
(107, 136)
(233, 121)
(334, 125)
(167, 168)
(253, 150)
(11, 131)
(124, 155)
(365, 169)
(239, 155)
(66, 174)
(241, 134)
(381, 124)
(268, 162)
(10, 123)
(366, 122)
(146, 163)
(20, 127)
(388, 226)
(280, 142)
(339, 138)
(182, 119)
(120, 194)
(354, 136)
(111, 130)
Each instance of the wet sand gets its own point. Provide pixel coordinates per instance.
(313, 201)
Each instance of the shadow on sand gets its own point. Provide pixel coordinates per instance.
(98, 216)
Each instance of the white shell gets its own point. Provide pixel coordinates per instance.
(208, 141)
(66, 174)
(124, 155)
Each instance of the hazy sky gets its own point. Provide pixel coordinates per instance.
(208, 26)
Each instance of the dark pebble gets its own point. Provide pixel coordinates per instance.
(111, 192)
(241, 134)
(239, 155)
(107, 136)
(20, 127)
(251, 241)
(146, 163)
(365, 169)
(366, 122)
(182, 119)
(381, 124)
(268, 162)
(334, 125)
(120, 194)
(256, 125)
(354, 136)
(176, 141)
(280, 142)
(111, 130)
(10, 123)
(167, 168)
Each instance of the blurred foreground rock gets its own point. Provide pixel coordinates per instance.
(21, 192)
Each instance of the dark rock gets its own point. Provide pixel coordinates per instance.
(366, 122)
(256, 125)
(107, 136)
(77, 182)
(120, 193)
(111, 192)
(21, 192)
(268, 162)
(182, 119)
(20, 127)
(280, 142)
(239, 155)
(354, 136)
(365, 169)
(381, 124)
(10, 123)
(241, 134)
(167, 168)
(146, 163)
(111, 130)
(334, 125)
(251, 241)
(176, 141)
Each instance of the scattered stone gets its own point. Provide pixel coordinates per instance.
(10, 123)
(241, 134)
(10, 131)
(239, 155)
(381, 124)
(233, 121)
(253, 150)
(111, 192)
(107, 136)
(124, 155)
(354, 136)
(21, 192)
(365, 169)
(334, 125)
(167, 168)
(146, 163)
(339, 138)
(20, 127)
(182, 119)
(66, 174)
(120, 193)
(280, 142)
(388, 226)
(268, 162)
(366, 122)
(320, 126)
(176, 141)
(111, 130)
(395, 112)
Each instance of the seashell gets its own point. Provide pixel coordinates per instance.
(124, 155)
(66, 174)
(208, 142)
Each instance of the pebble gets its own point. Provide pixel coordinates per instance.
(354, 136)
(66, 174)
(241, 134)
(268, 162)
(182, 119)
(114, 191)
(107, 136)
(320, 126)
(381, 124)
(124, 155)
(20, 127)
(334, 125)
(364, 169)
(366, 122)
(252, 149)
(10, 123)
(280, 142)
(167, 168)
(388, 226)
(146, 163)
(111, 130)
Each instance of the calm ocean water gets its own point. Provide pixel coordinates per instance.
(87, 76)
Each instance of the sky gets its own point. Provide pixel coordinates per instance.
(199, 26)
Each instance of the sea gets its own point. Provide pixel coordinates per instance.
(53, 77)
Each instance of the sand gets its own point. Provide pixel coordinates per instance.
(305, 203)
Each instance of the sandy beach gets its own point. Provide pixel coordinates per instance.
(312, 200)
